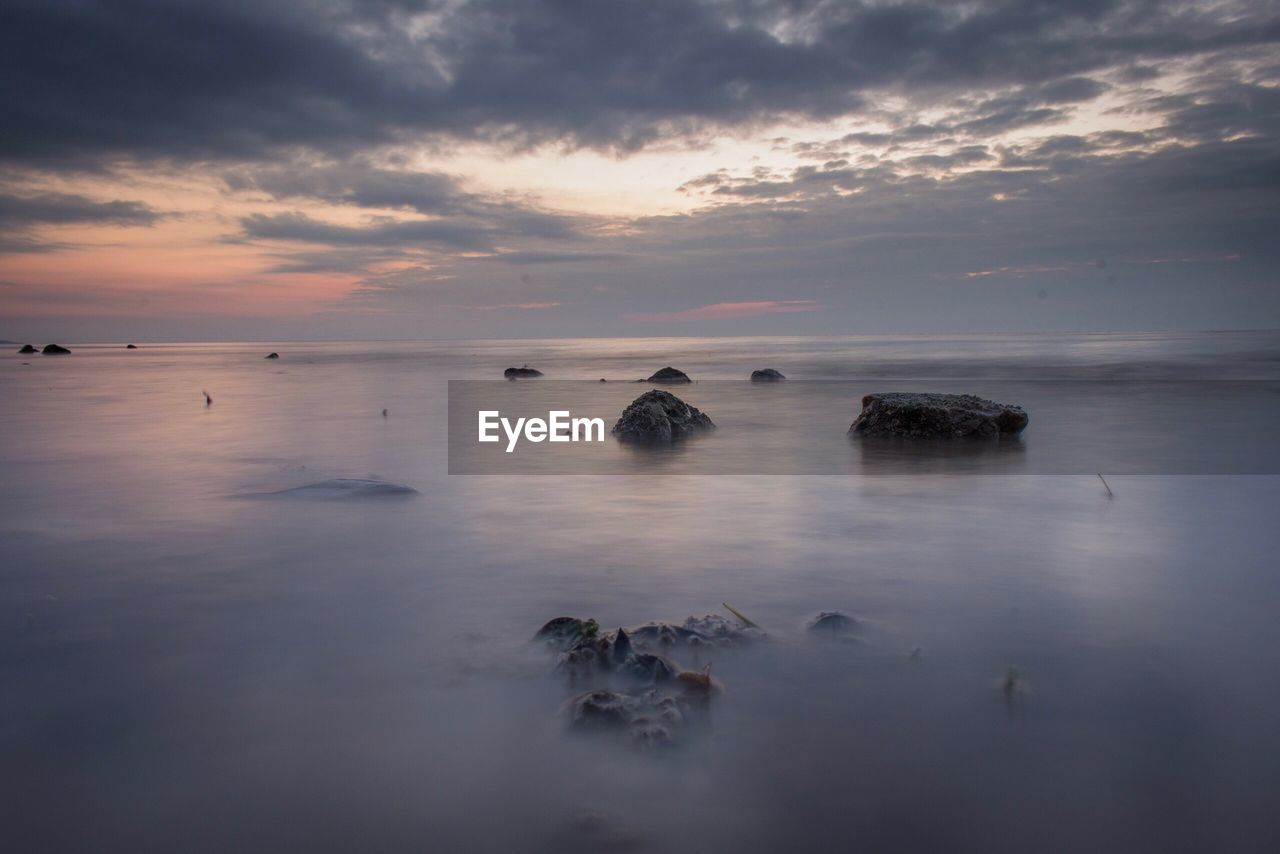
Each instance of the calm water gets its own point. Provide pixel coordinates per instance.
(186, 665)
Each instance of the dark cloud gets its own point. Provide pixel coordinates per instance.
(21, 215)
(416, 233)
(450, 218)
(234, 79)
(459, 219)
(69, 209)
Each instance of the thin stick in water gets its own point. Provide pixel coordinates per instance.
(1110, 494)
(742, 617)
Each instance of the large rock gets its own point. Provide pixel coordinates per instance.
(272, 356)
(525, 372)
(27, 348)
(766, 375)
(659, 418)
(928, 416)
(54, 350)
(669, 375)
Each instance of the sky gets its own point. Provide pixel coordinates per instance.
(226, 170)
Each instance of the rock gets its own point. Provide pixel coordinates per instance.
(621, 648)
(603, 380)
(660, 418)
(563, 631)
(347, 487)
(600, 710)
(646, 668)
(131, 346)
(27, 348)
(649, 719)
(721, 631)
(54, 350)
(272, 356)
(633, 694)
(834, 624)
(766, 375)
(923, 416)
(669, 375)
(525, 372)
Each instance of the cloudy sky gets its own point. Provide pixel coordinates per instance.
(217, 169)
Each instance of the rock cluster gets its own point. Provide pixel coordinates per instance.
(766, 375)
(634, 689)
(524, 372)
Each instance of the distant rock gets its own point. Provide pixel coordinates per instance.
(670, 376)
(347, 487)
(603, 380)
(521, 373)
(660, 418)
(27, 348)
(834, 624)
(766, 375)
(927, 416)
(272, 356)
(131, 346)
(54, 350)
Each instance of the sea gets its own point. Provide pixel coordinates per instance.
(225, 627)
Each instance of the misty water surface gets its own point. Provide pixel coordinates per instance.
(188, 665)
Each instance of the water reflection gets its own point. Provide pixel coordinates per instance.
(886, 455)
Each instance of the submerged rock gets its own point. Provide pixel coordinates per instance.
(649, 719)
(347, 487)
(834, 624)
(525, 372)
(272, 356)
(670, 375)
(645, 668)
(54, 350)
(924, 416)
(593, 830)
(27, 348)
(659, 417)
(716, 630)
(766, 375)
(563, 632)
(633, 692)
